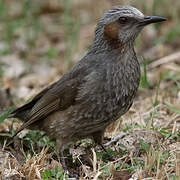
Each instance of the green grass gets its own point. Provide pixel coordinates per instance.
(6, 114)
(52, 53)
(36, 139)
(27, 20)
(54, 174)
(173, 108)
(156, 101)
(2, 69)
(144, 83)
(71, 28)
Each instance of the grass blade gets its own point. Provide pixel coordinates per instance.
(5, 115)
(172, 108)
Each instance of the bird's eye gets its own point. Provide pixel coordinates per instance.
(123, 20)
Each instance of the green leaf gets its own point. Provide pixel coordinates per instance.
(6, 114)
(144, 146)
(52, 53)
(46, 174)
(53, 174)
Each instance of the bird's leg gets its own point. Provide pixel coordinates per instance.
(97, 137)
(62, 160)
(18, 153)
(60, 144)
(63, 163)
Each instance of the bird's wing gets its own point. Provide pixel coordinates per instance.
(58, 96)
(21, 112)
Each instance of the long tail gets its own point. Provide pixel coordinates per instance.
(15, 113)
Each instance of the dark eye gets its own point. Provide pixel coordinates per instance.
(123, 20)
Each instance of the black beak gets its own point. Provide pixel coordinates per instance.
(151, 19)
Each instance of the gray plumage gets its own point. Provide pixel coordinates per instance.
(98, 89)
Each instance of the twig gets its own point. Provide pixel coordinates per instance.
(166, 59)
(115, 139)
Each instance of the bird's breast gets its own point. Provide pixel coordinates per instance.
(122, 83)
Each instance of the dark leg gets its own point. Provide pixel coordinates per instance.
(62, 160)
(60, 144)
(71, 174)
(18, 153)
(97, 137)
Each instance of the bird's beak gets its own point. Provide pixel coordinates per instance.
(151, 19)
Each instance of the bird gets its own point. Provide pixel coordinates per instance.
(98, 89)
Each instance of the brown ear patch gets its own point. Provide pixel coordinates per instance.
(111, 31)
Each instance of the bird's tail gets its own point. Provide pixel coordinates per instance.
(10, 113)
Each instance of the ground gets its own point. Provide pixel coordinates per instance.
(40, 41)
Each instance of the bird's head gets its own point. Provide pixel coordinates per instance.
(122, 24)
